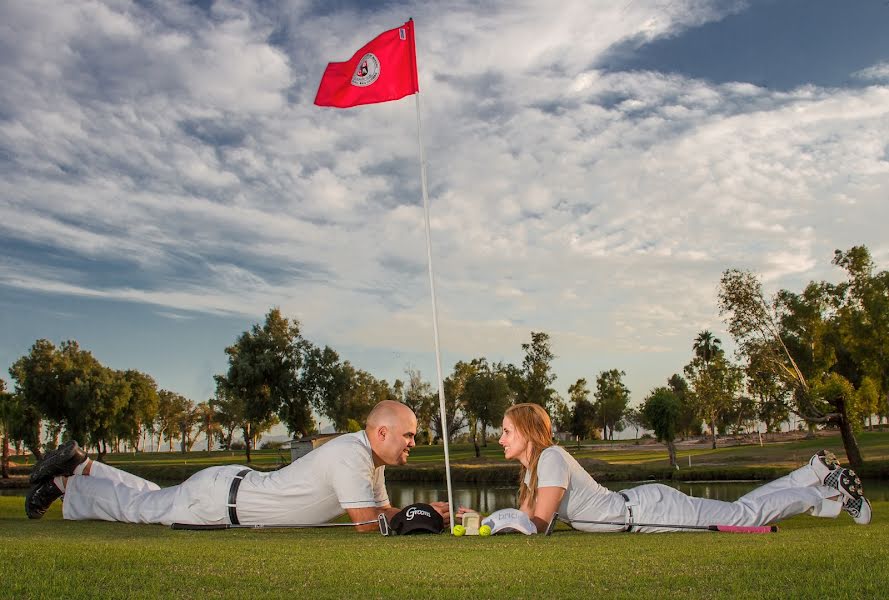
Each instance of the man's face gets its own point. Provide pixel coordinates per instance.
(395, 441)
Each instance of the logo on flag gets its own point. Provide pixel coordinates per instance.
(368, 70)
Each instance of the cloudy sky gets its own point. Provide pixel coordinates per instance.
(165, 178)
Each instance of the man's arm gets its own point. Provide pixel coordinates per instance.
(369, 513)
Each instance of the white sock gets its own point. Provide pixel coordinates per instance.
(59, 482)
(78, 470)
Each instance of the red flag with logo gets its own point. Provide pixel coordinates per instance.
(384, 69)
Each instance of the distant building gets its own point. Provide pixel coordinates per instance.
(302, 446)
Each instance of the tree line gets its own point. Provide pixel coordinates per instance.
(822, 354)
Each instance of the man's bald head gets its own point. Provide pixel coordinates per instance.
(387, 413)
(391, 428)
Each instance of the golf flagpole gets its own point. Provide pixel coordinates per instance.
(441, 396)
(382, 70)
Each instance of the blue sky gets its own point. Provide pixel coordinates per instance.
(165, 178)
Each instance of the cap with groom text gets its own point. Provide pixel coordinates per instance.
(417, 518)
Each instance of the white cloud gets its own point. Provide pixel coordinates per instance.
(598, 206)
(878, 72)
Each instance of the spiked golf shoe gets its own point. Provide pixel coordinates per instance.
(849, 485)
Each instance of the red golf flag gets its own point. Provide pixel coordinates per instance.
(384, 69)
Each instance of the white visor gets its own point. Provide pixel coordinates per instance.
(509, 520)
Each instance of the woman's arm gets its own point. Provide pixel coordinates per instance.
(548, 500)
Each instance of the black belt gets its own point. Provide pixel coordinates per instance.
(629, 512)
(233, 496)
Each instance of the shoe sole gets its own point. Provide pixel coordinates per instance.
(825, 465)
(855, 512)
(52, 462)
(847, 482)
(829, 459)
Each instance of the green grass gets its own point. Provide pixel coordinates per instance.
(808, 558)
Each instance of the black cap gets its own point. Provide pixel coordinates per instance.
(417, 518)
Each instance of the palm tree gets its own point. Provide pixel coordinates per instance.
(706, 346)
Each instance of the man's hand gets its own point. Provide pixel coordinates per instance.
(444, 510)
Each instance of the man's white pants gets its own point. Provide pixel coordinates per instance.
(109, 494)
(799, 492)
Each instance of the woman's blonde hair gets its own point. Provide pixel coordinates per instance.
(532, 422)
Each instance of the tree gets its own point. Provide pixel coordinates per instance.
(583, 420)
(189, 418)
(661, 410)
(741, 414)
(41, 389)
(689, 420)
(486, 395)
(329, 383)
(561, 414)
(170, 409)
(706, 346)
(9, 411)
(229, 415)
(263, 372)
(583, 414)
(715, 386)
(258, 428)
(868, 399)
(73, 392)
(366, 392)
(633, 418)
(207, 424)
(770, 393)
(612, 397)
(537, 377)
(455, 417)
(826, 330)
(863, 316)
(140, 411)
(418, 396)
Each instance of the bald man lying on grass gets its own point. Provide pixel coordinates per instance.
(344, 475)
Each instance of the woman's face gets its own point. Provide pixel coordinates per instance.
(515, 445)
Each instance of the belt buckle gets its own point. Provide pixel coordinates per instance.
(629, 527)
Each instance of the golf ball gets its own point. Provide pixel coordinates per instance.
(459, 530)
(484, 530)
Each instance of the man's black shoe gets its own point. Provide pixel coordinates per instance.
(39, 499)
(61, 461)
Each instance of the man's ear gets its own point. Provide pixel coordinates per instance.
(382, 432)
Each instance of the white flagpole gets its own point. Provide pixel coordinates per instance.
(441, 396)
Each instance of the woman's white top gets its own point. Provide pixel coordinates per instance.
(585, 499)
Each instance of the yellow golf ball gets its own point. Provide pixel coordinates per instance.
(459, 530)
(484, 530)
